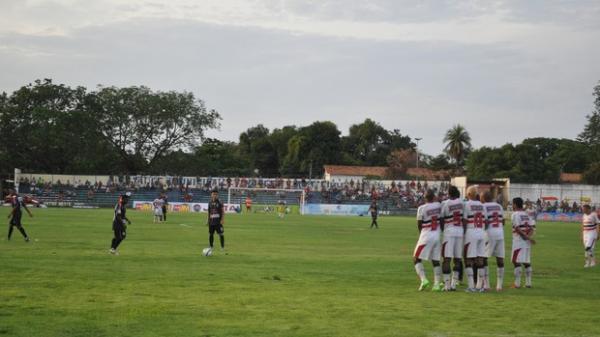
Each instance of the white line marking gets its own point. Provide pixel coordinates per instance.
(182, 224)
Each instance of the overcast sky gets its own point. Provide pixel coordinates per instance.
(507, 70)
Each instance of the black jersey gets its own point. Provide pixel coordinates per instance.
(215, 212)
(17, 203)
(119, 217)
(374, 210)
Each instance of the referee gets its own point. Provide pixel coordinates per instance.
(374, 210)
(215, 219)
(119, 220)
(15, 215)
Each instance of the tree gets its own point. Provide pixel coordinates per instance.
(313, 147)
(592, 174)
(143, 125)
(458, 144)
(368, 143)
(53, 131)
(399, 161)
(591, 131)
(439, 162)
(521, 163)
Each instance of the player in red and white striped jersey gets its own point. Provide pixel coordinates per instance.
(523, 231)
(452, 245)
(474, 246)
(589, 230)
(494, 237)
(428, 246)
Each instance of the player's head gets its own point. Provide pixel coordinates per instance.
(453, 192)
(486, 196)
(517, 204)
(472, 192)
(126, 196)
(214, 194)
(430, 196)
(587, 209)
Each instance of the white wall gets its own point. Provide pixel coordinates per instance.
(571, 192)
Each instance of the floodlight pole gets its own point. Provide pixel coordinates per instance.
(417, 149)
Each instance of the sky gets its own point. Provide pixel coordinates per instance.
(506, 70)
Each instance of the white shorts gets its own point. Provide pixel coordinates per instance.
(474, 246)
(428, 248)
(158, 212)
(452, 247)
(494, 247)
(521, 255)
(590, 238)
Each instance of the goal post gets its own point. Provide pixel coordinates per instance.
(267, 196)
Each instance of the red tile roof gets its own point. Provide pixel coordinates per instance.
(571, 177)
(343, 170)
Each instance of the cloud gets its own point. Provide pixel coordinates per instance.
(419, 66)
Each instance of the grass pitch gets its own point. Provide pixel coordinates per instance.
(301, 276)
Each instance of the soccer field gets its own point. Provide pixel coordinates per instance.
(301, 276)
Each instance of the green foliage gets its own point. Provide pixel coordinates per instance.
(458, 144)
(57, 129)
(369, 144)
(538, 160)
(592, 174)
(301, 276)
(591, 132)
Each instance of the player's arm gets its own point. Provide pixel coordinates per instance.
(222, 214)
(27, 210)
(420, 218)
(11, 212)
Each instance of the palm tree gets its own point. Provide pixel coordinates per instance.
(458, 143)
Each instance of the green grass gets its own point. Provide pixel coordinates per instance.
(303, 276)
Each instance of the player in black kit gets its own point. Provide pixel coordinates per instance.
(374, 210)
(119, 227)
(215, 219)
(15, 215)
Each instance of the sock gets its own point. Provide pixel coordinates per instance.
(480, 278)
(222, 238)
(499, 277)
(420, 271)
(486, 277)
(447, 282)
(437, 274)
(469, 272)
(518, 276)
(211, 240)
(10, 230)
(455, 278)
(112, 244)
(22, 230)
(528, 272)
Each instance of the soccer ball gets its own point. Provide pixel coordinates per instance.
(207, 251)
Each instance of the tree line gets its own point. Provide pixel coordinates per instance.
(48, 127)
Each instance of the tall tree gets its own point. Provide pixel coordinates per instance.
(313, 147)
(144, 125)
(591, 132)
(368, 143)
(53, 131)
(458, 144)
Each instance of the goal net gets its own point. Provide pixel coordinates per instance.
(267, 200)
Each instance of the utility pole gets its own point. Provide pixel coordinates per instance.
(418, 139)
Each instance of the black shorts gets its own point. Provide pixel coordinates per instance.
(16, 220)
(120, 230)
(216, 228)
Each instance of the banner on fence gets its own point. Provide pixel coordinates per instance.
(186, 207)
(559, 216)
(326, 209)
